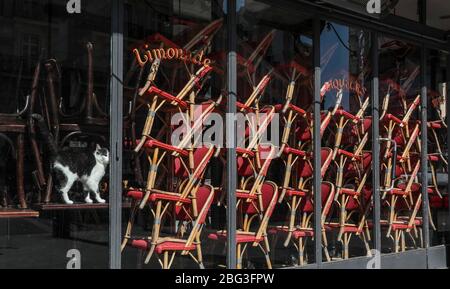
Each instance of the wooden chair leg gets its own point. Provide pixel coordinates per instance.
(325, 246)
(239, 257)
(366, 244)
(20, 171)
(155, 231)
(134, 209)
(402, 238)
(301, 260)
(273, 245)
(346, 241)
(291, 220)
(38, 162)
(396, 240)
(200, 257)
(166, 260)
(48, 189)
(266, 250)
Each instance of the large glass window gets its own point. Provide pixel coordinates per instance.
(346, 140)
(437, 187)
(54, 127)
(438, 14)
(173, 177)
(400, 152)
(275, 97)
(56, 91)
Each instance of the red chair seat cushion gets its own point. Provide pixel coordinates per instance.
(157, 196)
(347, 228)
(240, 238)
(138, 195)
(164, 246)
(242, 195)
(173, 246)
(140, 244)
(296, 234)
(293, 192)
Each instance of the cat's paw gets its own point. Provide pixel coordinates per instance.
(69, 202)
(88, 200)
(100, 200)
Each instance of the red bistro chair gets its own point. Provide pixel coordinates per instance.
(170, 246)
(251, 233)
(305, 230)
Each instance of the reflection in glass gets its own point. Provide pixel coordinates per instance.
(437, 146)
(173, 175)
(400, 152)
(346, 134)
(54, 68)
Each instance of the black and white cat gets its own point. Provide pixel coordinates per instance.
(69, 165)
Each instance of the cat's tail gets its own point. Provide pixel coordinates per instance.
(46, 134)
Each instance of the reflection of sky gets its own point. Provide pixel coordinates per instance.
(338, 63)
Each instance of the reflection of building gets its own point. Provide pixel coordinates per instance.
(29, 28)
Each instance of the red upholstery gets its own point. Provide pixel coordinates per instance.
(346, 114)
(400, 190)
(169, 97)
(240, 237)
(433, 158)
(439, 203)
(152, 143)
(303, 131)
(393, 118)
(346, 228)
(435, 124)
(307, 205)
(140, 244)
(164, 246)
(137, 195)
(173, 246)
(161, 196)
(199, 155)
(292, 192)
(185, 212)
(289, 150)
(244, 167)
(241, 195)
(267, 192)
(353, 204)
(296, 234)
(305, 169)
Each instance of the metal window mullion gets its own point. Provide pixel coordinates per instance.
(231, 134)
(375, 144)
(424, 146)
(317, 146)
(115, 138)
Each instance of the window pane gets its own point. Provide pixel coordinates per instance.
(173, 176)
(438, 14)
(55, 65)
(400, 149)
(275, 84)
(437, 146)
(346, 140)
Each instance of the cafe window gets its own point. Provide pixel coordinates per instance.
(90, 105)
(53, 127)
